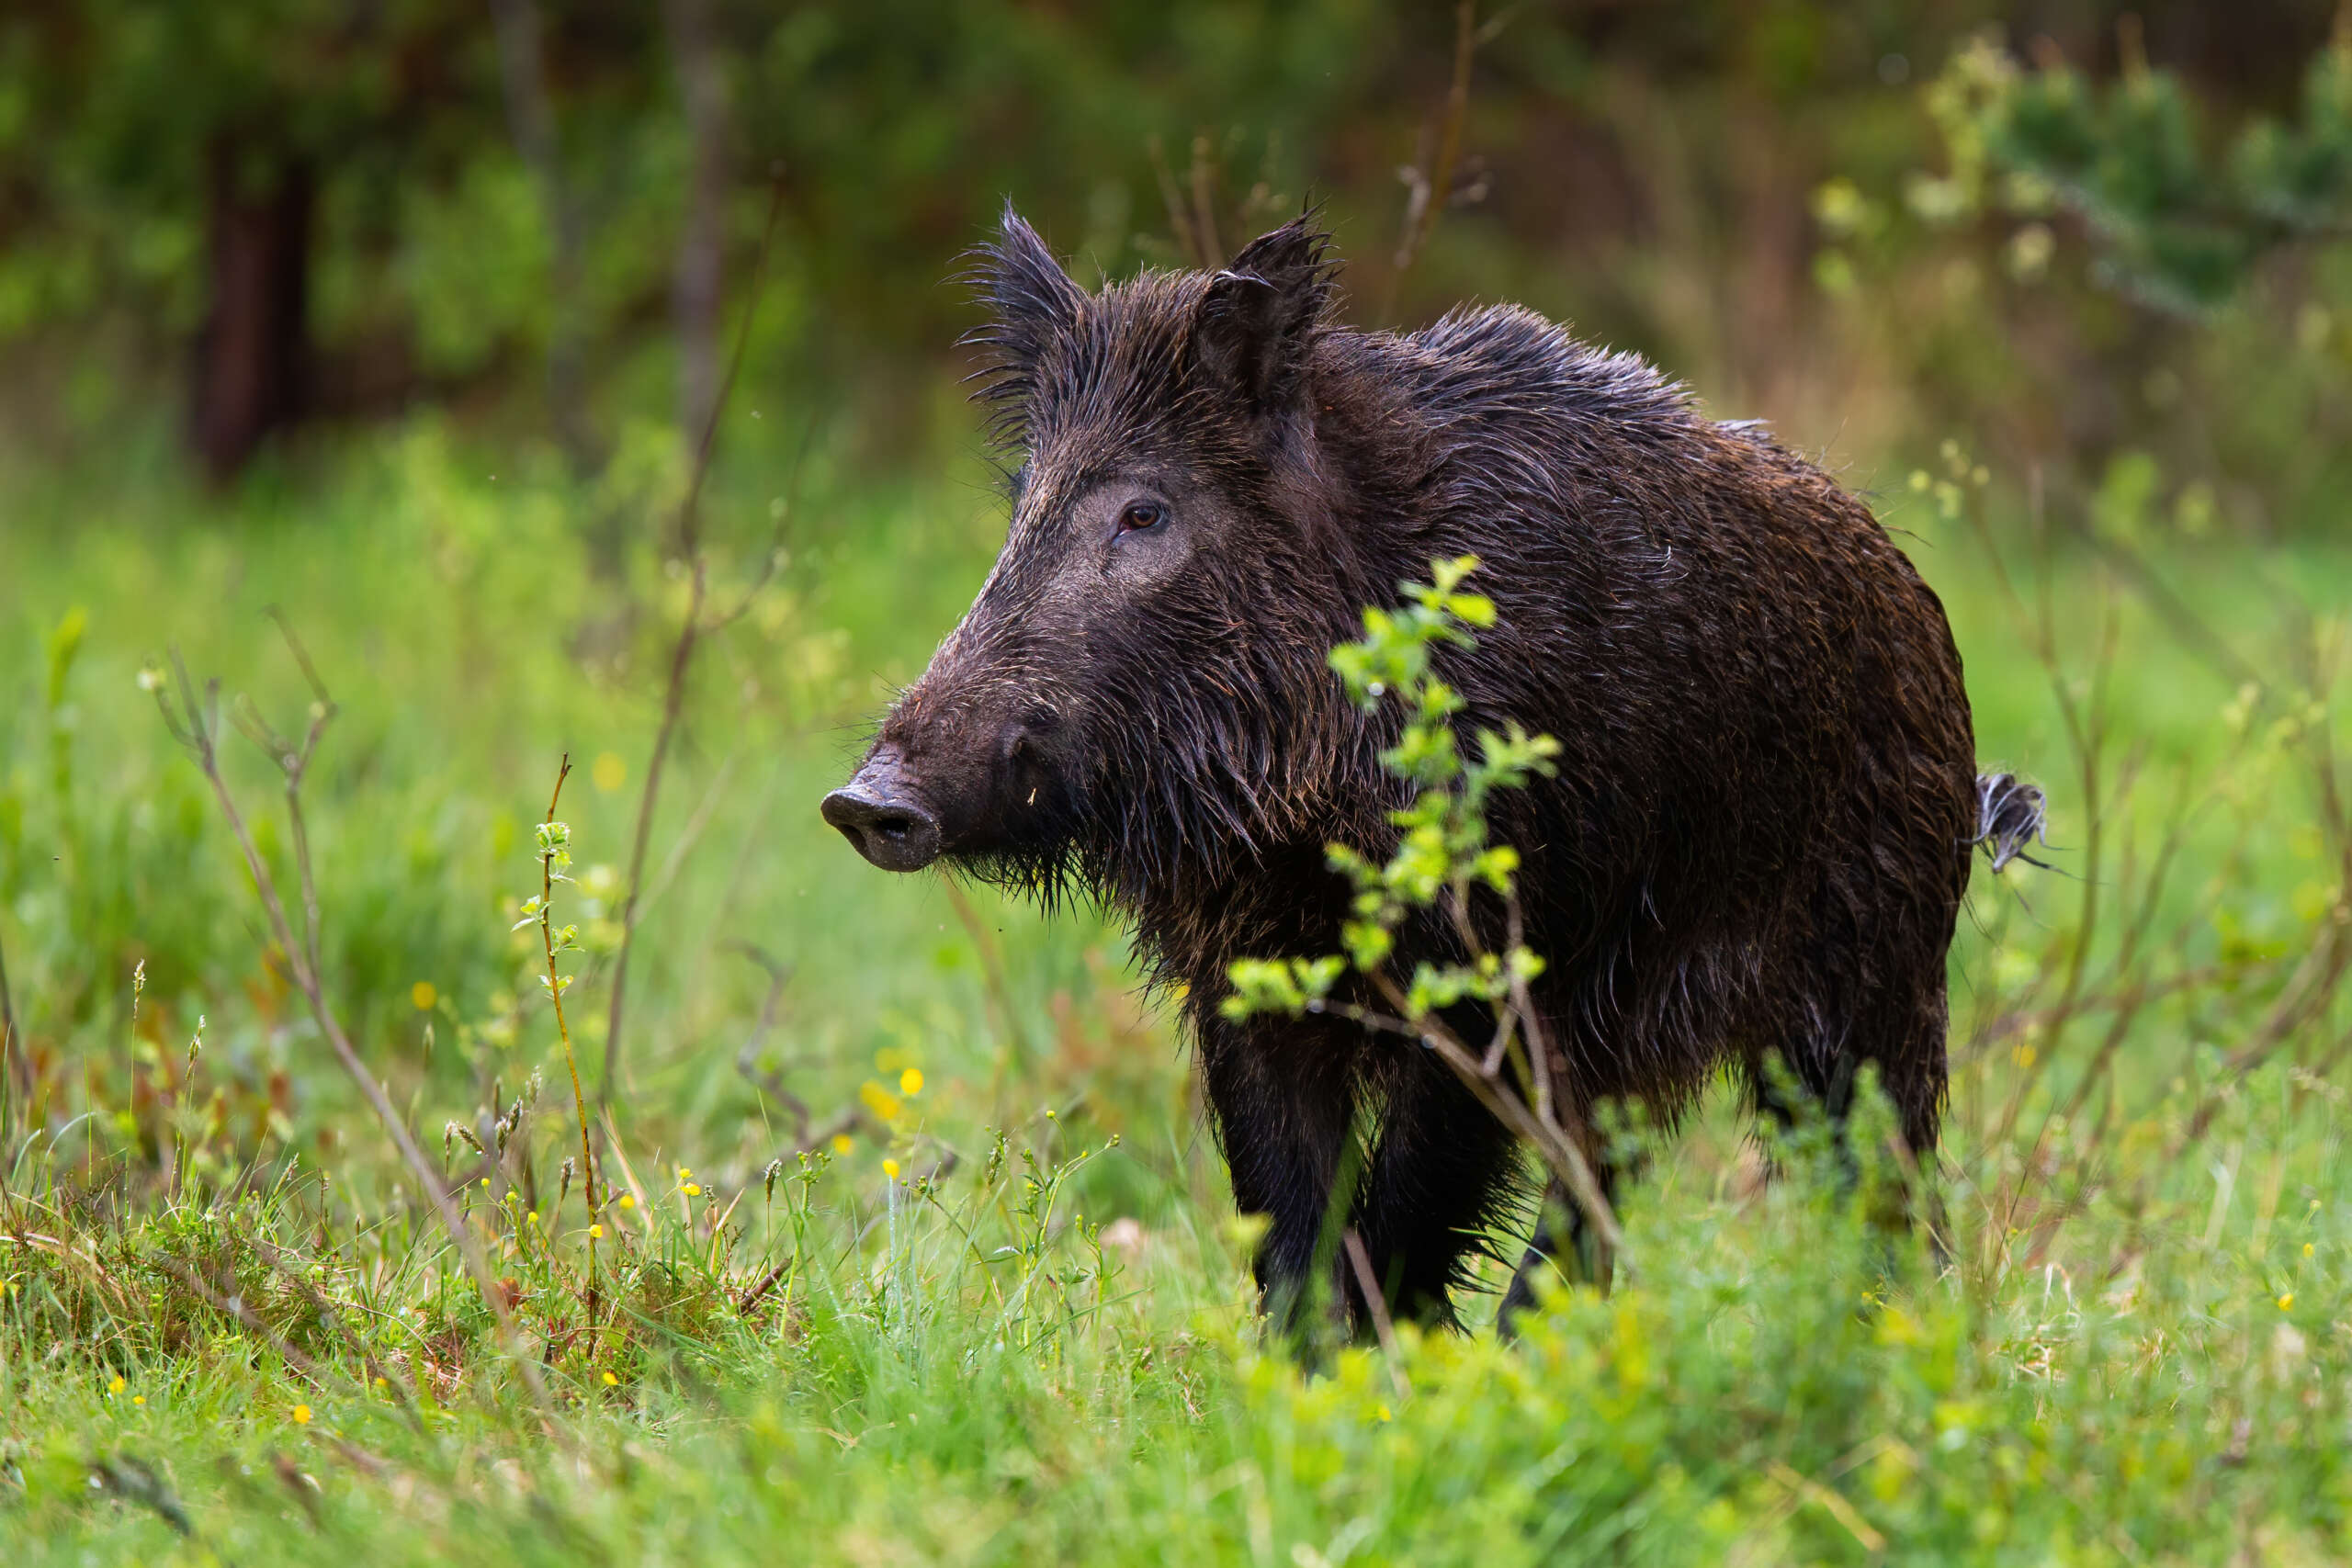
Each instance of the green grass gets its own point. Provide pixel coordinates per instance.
(1048, 1354)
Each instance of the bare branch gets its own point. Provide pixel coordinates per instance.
(1376, 1304)
(234, 1306)
(1558, 1150)
(1179, 216)
(695, 281)
(747, 1059)
(328, 1314)
(196, 727)
(1431, 179)
(10, 1089)
(690, 632)
(549, 849)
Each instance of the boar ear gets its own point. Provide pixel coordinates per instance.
(1255, 320)
(1031, 301)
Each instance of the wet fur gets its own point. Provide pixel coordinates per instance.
(1759, 832)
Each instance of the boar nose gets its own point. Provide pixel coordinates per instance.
(888, 826)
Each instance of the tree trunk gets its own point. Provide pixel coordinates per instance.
(702, 242)
(253, 354)
(530, 112)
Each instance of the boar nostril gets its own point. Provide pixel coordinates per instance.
(895, 834)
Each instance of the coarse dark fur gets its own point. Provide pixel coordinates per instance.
(1760, 831)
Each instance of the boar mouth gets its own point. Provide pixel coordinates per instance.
(880, 815)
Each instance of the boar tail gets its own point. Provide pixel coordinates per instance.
(2010, 815)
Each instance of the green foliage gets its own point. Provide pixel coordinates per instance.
(2179, 226)
(962, 1377)
(968, 1325)
(128, 129)
(1444, 847)
(952, 1275)
(2088, 274)
(122, 115)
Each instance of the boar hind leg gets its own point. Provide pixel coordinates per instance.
(1902, 1042)
(1565, 1243)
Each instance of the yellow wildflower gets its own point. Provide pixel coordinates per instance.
(628, 1199)
(611, 1381)
(910, 1082)
(301, 1413)
(843, 1142)
(117, 1385)
(137, 1399)
(2287, 1302)
(890, 1169)
(2307, 1249)
(692, 1190)
(595, 1233)
(424, 995)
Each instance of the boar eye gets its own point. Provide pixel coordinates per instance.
(1140, 514)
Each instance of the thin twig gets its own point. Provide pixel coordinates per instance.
(7, 1068)
(1179, 220)
(1834, 1504)
(1432, 181)
(696, 276)
(195, 725)
(697, 822)
(326, 1309)
(1376, 1304)
(234, 1306)
(2175, 611)
(690, 632)
(1204, 204)
(549, 851)
(1522, 1009)
(747, 1059)
(637, 1194)
(1551, 1143)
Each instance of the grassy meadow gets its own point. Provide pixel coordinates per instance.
(914, 1247)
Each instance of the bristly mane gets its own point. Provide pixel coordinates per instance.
(1278, 287)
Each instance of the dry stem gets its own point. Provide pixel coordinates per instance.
(1431, 179)
(563, 1033)
(1553, 1143)
(691, 631)
(195, 725)
(1374, 1303)
(7, 1068)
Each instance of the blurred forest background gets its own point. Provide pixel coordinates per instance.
(281, 218)
(579, 378)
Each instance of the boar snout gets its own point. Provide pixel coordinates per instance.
(878, 813)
